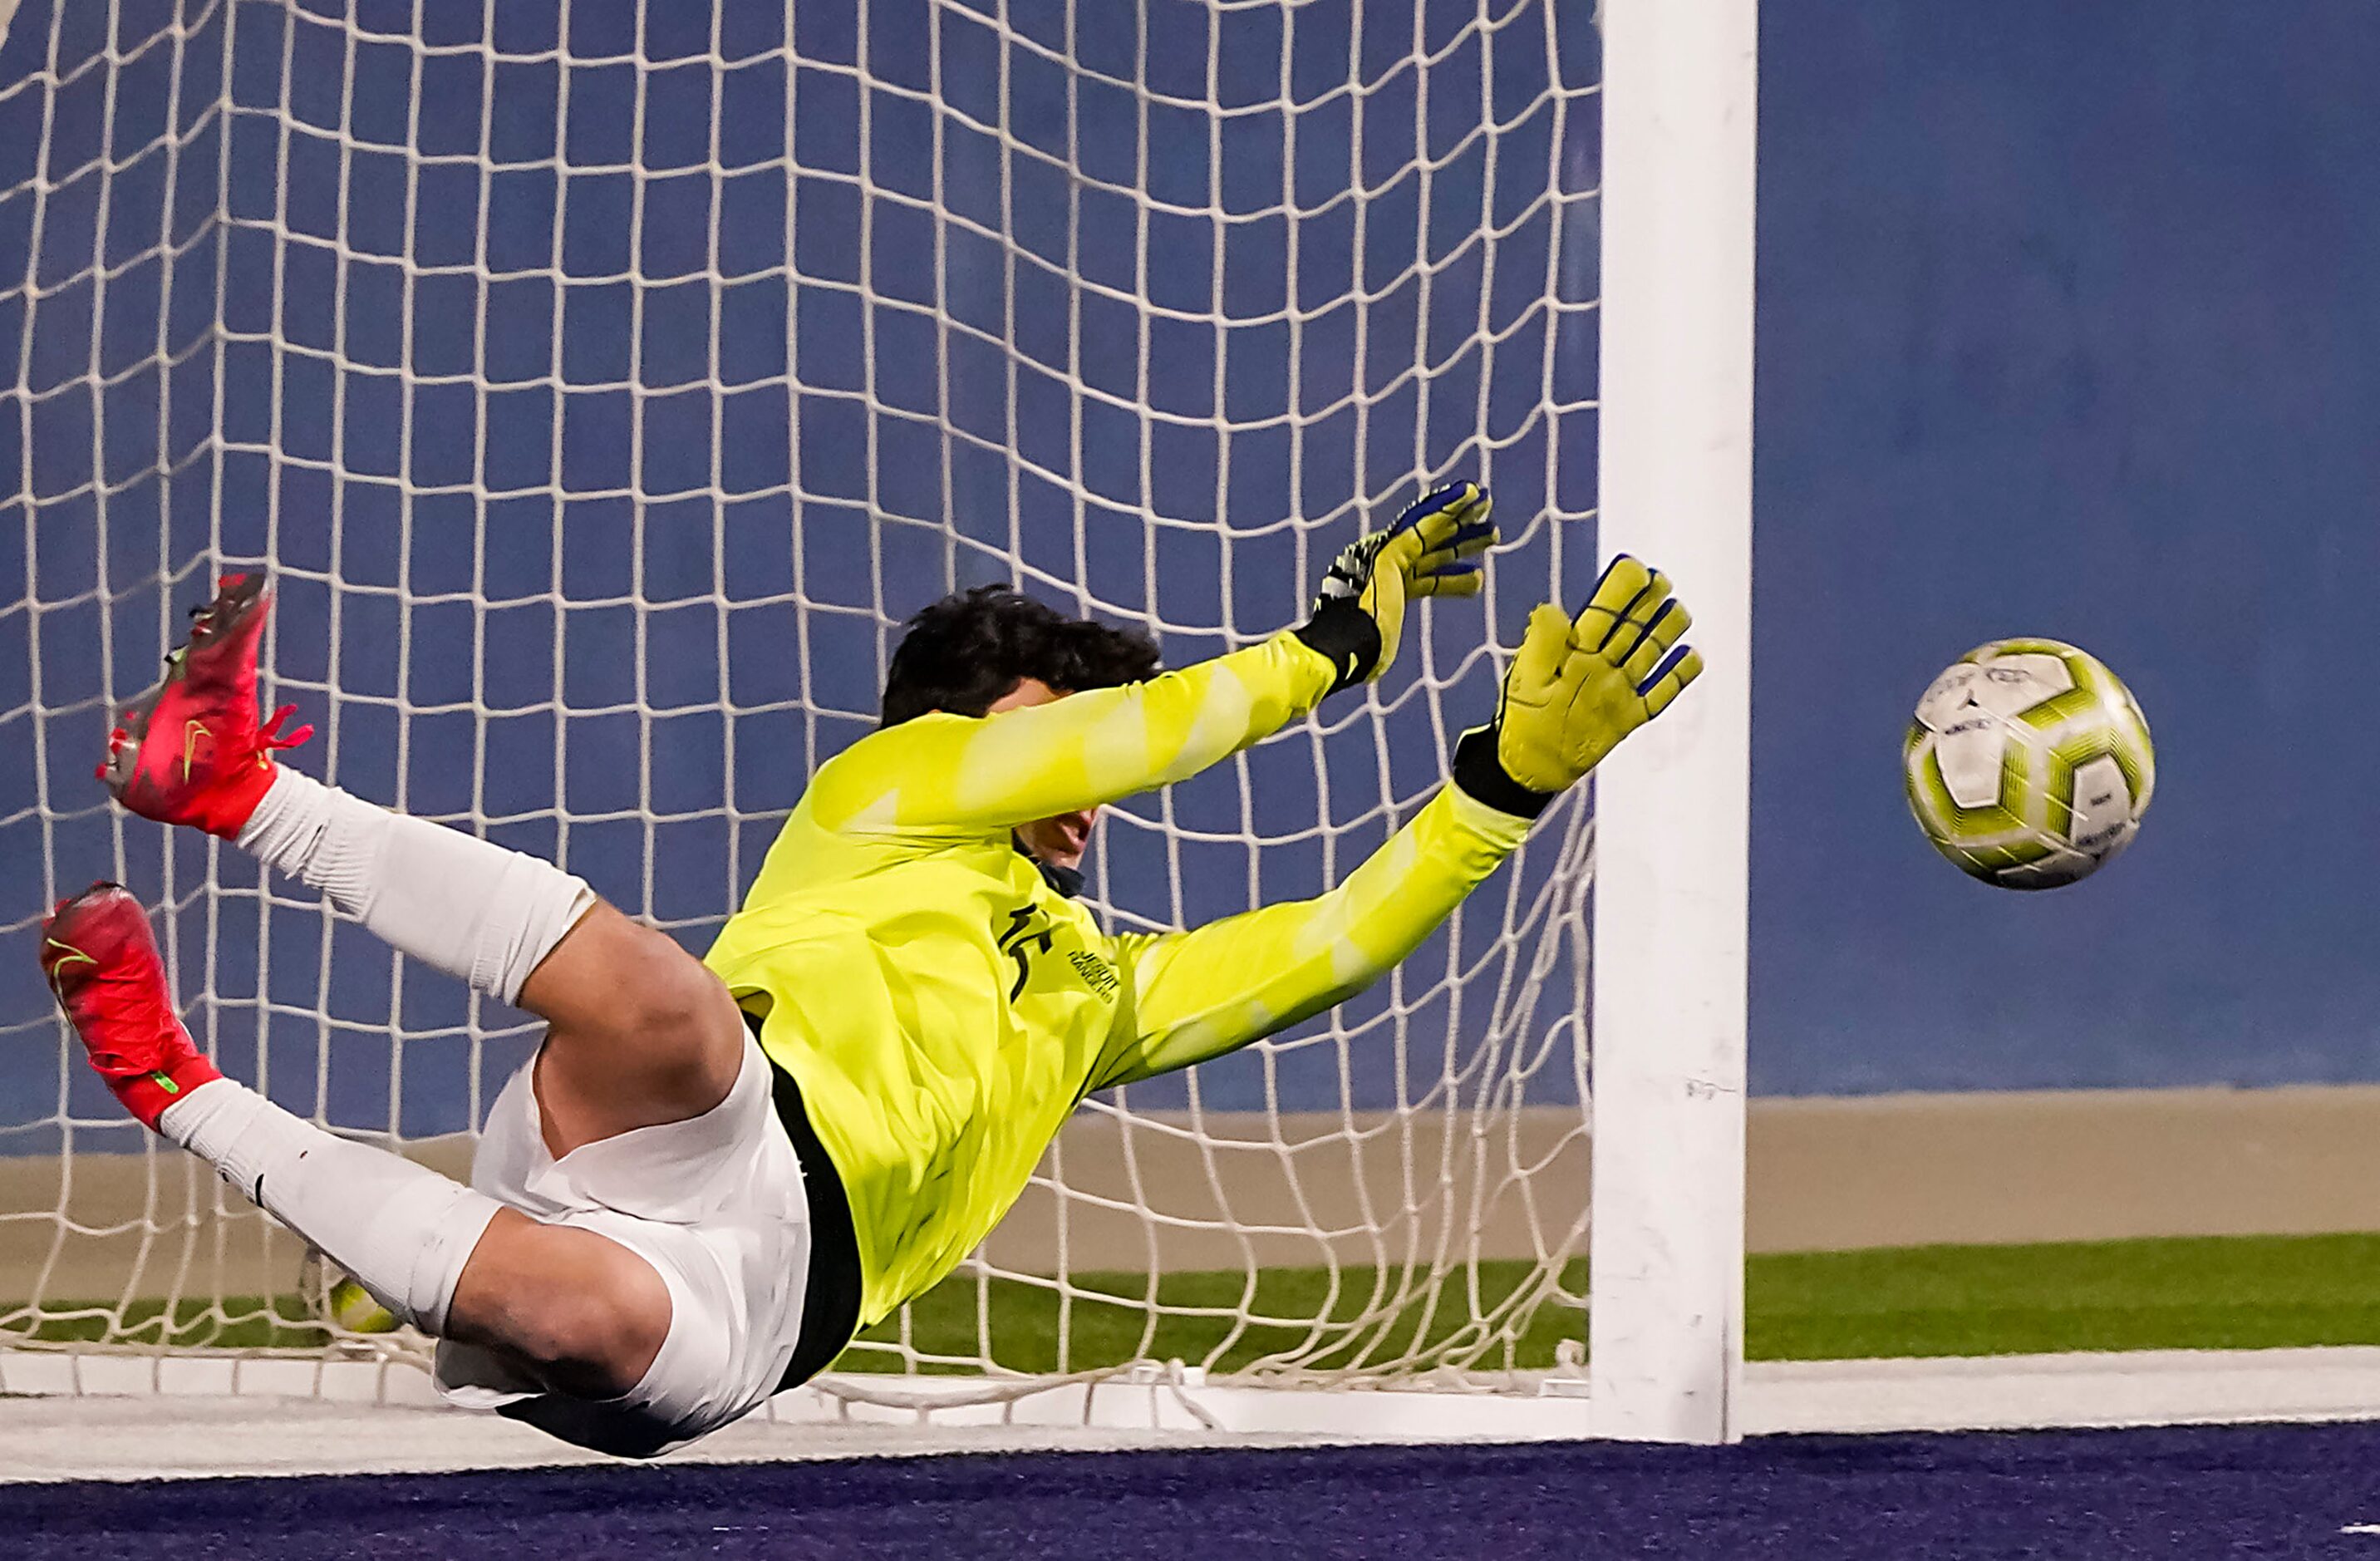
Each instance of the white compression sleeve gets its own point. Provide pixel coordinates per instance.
(402, 1230)
(449, 899)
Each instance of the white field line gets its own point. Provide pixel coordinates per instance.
(2026, 1392)
(131, 1418)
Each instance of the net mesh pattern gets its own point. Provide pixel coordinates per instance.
(603, 384)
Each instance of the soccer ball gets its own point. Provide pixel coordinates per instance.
(2029, 764)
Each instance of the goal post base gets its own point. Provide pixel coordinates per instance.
(1185, 1401)
(1169, 1398)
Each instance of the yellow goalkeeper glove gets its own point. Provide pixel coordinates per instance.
(1433, 550)
(1577, 686)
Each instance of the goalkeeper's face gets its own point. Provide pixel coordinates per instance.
(1059, 841)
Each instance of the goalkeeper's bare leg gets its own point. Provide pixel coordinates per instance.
(567, 1293)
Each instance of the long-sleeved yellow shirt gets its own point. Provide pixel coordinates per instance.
(944, 1009)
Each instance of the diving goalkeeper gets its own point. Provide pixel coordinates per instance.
(713, 1173)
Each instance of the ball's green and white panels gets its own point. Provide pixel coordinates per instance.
(2029, 764)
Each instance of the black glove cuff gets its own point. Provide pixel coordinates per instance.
(1481, 775)
(1348, 636)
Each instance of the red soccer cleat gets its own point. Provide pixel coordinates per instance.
(190, 750)
(104, 966)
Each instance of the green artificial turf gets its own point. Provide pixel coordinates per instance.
(2215, 1293)
(2234, 1292)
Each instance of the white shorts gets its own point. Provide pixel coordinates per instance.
(715, 1203)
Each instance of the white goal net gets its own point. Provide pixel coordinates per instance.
(604, 383)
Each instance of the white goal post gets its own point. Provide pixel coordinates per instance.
(1672, 842)
(606, 382)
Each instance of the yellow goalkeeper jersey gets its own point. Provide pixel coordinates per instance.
(944, 1009)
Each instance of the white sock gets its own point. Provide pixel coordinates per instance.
(402, 1230)
(449, 899)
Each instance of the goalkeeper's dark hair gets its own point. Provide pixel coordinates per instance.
(972, 647)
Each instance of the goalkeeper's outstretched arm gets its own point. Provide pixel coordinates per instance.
(969, 774)
(1576, 688)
